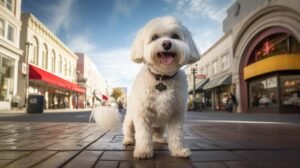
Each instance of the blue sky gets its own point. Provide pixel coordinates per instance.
(105, 29)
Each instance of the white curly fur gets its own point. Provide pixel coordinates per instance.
(150, 112)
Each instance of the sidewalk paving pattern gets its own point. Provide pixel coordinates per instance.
(234, 145)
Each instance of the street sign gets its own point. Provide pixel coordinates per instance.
(200, 76)
(24, 69)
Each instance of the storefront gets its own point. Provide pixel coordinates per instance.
(272, 73)
(7, 80)
(215, 90)
(277, 92)
(59, 93)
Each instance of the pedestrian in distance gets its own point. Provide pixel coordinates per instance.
(231, 103)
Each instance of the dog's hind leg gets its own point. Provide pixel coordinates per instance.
(128, 130)
(158, 135)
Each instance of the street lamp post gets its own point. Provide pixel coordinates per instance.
(27, 45)
(194, 71)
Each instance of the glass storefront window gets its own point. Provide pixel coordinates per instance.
(263, 92)
(275, 44)
(6, 78)
(290, 90)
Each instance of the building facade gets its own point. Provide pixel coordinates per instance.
(96, 86)
(48, 66)
(212, 75)
(265, 54)
(10, 52)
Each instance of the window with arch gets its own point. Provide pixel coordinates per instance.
(65, 66)
(60, 64)
(53, 61)
(35, 46)
(70, 67)
(275, 44)
(45, 57)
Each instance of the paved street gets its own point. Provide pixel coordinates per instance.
(213, 143)
(48, 117)
(83, 116)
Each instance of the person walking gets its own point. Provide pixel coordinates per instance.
(229, 104)
(233, 102)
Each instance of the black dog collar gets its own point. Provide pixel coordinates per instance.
(160, 86)
(159, 77)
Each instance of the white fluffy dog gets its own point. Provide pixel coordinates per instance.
(158, 101)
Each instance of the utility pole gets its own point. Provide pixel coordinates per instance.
(194, 71)
(27, 45)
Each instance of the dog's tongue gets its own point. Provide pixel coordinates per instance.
(166, 58)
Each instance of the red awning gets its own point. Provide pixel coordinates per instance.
(104, 97)
(36, 73)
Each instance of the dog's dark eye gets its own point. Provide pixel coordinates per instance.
(154, 37)
(175, 36)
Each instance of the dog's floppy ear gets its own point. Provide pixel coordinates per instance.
(137, 48)
(194, 53)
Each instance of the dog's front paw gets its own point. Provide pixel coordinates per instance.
(128, 141)
(142, 154)
(183, 152)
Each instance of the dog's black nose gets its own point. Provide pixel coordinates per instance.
(166, 44)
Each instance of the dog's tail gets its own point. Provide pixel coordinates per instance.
(107, 117)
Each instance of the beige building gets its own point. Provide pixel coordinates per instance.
(92, 79)
(212, 75)
(264, 55)
(48, 66)
(10, 52)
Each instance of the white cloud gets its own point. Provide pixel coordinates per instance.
(123, 8)
(204, 40)
(195, 9)
(81, 43)
(59, 15)
(114, 64)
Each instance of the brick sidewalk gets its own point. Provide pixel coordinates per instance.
(233, 145)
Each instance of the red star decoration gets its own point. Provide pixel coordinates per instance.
(267, 48)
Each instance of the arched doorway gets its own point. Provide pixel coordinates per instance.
(270, 72)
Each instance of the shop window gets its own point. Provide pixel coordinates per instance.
(295, 46)
(275, 44)
(263, 93)
(6, 78)
(290, 90)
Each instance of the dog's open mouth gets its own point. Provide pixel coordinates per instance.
(166, 58)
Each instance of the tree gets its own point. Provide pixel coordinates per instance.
(117, 92)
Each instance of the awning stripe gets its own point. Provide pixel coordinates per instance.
(36, 73)
(224, 80)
